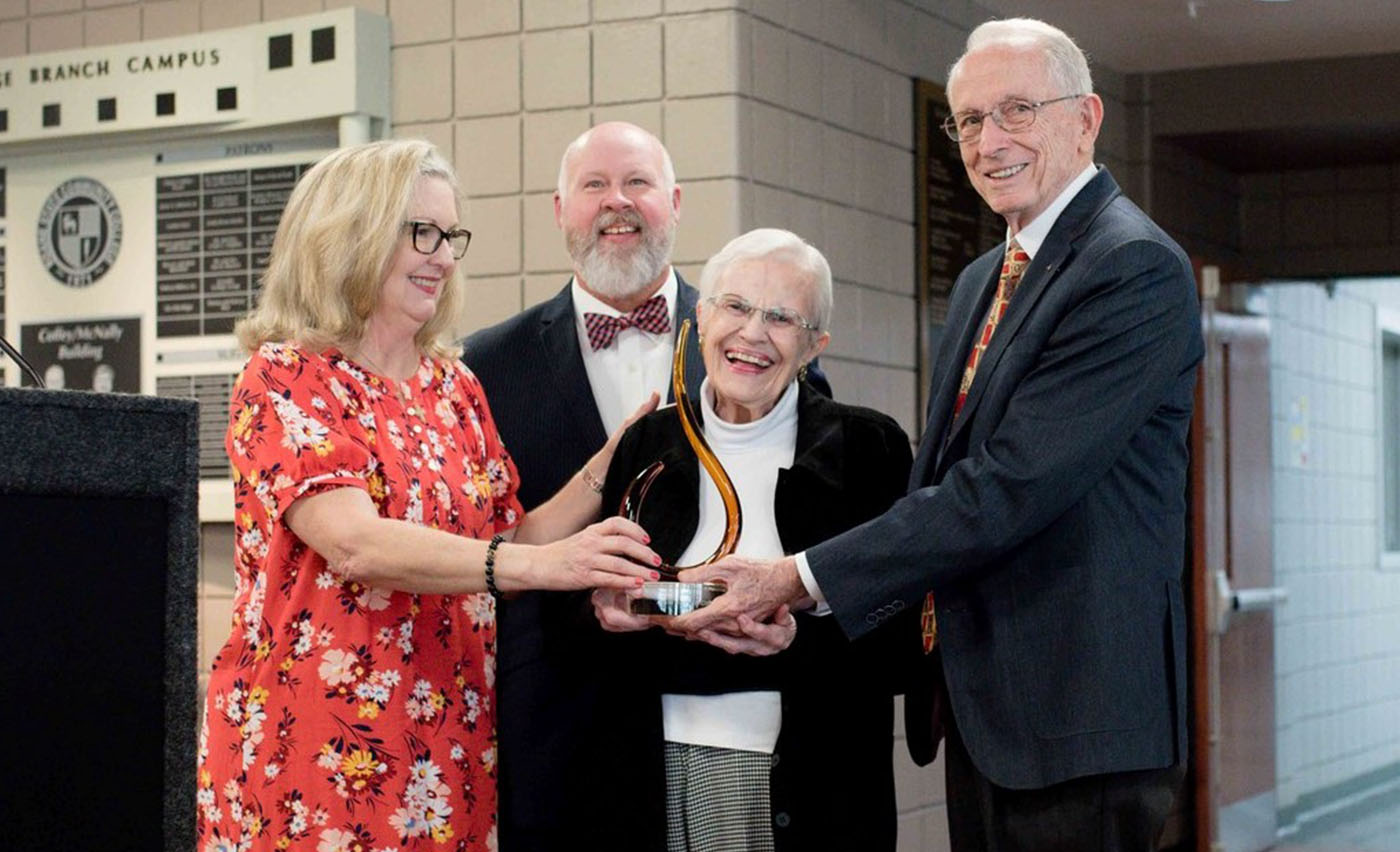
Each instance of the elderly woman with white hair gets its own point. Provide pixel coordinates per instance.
(723, 751)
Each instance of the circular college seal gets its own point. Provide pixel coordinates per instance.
(80, 232)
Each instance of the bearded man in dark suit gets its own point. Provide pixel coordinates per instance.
(1044, 529)
(555, 399)
(560, 377)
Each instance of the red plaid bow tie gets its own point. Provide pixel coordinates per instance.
(651, 316)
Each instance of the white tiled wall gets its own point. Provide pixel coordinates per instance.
(1337, 651)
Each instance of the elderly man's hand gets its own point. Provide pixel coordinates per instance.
(755, 588)
(759, 639)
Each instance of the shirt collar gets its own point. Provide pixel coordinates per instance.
(1031, 237)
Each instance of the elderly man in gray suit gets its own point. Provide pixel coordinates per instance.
(1044, 530)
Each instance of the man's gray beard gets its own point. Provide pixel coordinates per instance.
(617, 275)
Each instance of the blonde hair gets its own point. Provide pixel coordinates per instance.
(334, 244)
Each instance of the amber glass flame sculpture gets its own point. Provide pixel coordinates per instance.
(669, 596)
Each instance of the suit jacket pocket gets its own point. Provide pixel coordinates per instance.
(1089, 648)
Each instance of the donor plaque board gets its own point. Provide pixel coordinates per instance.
(214, 233)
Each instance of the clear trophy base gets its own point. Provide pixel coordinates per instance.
(673, 598)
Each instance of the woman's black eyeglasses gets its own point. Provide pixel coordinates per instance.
(427, 237)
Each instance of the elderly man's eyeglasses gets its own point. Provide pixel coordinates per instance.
(777, 320)
(1012, 115)
(427, 237)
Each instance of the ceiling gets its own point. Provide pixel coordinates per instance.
(1146, 36)
(1139, 36)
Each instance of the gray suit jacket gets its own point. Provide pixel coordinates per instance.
(1049, 521)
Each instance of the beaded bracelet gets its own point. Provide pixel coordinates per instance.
(491, 565)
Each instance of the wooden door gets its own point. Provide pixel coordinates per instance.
(1234, 727)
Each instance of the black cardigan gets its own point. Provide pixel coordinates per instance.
(833, 780)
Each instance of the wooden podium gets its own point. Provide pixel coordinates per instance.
(99, 533)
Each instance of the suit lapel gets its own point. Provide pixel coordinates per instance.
(808, 502)
(558, 339)
(1055, 253)
(1033, 283)
(949, 364)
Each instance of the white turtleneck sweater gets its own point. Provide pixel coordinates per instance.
(752, 454)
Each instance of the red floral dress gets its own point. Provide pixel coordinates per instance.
(340, 716)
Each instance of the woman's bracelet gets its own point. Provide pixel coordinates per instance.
(594, 483)
(491, 565)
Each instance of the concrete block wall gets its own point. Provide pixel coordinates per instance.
(1279, 224)
(1337, 649)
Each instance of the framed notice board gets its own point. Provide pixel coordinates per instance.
(954, 225)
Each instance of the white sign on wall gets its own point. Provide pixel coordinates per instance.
(141, 185)
(294, 70)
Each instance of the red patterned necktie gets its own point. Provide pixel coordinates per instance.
(1012, 267)
(1011, 270)
(651, 316)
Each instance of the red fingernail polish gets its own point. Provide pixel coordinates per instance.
(656, 560)
(656, 575)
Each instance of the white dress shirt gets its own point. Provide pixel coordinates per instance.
(638, 362)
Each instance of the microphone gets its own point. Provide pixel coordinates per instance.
(19, 359)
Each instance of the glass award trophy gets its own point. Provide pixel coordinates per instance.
(669, 596)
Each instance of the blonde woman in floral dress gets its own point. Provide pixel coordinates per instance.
(351, 707)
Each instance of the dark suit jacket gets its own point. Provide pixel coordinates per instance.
(547, 688)
(833, 782)
(1050, 521)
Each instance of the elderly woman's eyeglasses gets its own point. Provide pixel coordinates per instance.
(777, 320)
(427, 237)
(1012, 115)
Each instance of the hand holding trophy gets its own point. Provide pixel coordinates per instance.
(669, 596)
